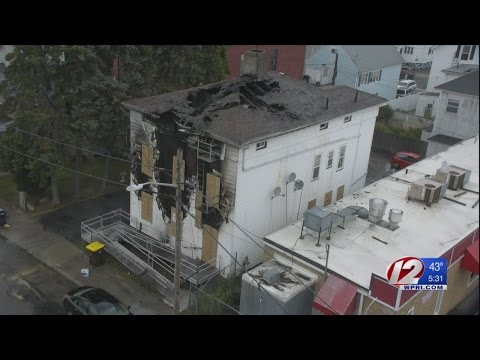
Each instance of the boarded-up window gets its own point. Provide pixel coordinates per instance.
(213, 190)
(209, 244)
(328, 198)
(147, 206)
(147, 160)
(312, 203)
(340, 192)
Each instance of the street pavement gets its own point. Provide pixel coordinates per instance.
(69, 259)
(28, 287)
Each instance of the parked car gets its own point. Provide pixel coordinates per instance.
(404, 158)
(87, 300)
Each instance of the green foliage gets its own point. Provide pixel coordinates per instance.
(226, 290)
(385, 113)
(409, 133)
(69, 93)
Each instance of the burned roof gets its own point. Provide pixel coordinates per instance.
(245, 110)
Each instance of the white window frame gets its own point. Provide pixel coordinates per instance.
(324, 126)
(472, 278)
(330, 158)
(411, 311)
(347, 118)
(341, 158)
(261, 145)
(316, 167)
(451, 106)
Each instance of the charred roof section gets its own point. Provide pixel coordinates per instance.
(245, 110)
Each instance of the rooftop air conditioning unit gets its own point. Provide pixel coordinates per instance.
(457, 177)
(426, 190)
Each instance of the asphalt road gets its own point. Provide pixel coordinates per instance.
(27, 287)
(66, 221)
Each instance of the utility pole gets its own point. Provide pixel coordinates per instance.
(178, 232)
(335, 68)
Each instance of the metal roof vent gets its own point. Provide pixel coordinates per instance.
(376, 210)
(394, 218)
(317, 218)
(271, 276)
(457, 177)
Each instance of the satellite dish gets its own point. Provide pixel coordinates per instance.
(298, 185)
(277, 191)
(388, 167)
(291, 177)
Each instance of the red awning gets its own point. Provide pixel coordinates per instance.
(470, 258)
(336, 297)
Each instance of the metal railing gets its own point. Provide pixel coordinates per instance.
(117, 226)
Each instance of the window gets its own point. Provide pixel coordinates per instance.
(411, 311)
(330, 159)
(324, 126)
(261, 145)
(472, 53)
(312, 203)
(465, 52)
(316, 167)
(401, 50)
(369, 77)
(452, 106)
(341, 157)
(347, 118)
(328, 198)
(340, 191)
(274, 59)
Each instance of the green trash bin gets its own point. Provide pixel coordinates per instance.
(95, 250)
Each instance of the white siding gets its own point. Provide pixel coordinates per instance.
(229, 172)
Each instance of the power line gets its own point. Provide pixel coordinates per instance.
(63, 167)
(269, 254)
(86, 150)
(253, 278)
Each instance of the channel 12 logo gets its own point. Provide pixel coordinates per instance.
(412, 273)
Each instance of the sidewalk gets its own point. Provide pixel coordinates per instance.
(66, 258)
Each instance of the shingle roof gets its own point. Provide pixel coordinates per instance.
(467, 84)
(243, 110)
(373, 57)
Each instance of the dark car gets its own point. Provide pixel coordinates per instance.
(88, 300)
(404, 158)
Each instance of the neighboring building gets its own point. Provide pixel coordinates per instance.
(288, 59)
(374, 69)
(436, 201)
(242, 140)
(416, 56)
(451, 62)
(4, 50)
(456, 115)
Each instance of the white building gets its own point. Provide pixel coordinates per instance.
(416, 56)
(242, 139)
(451, 62)
(456, 115)
(435, 214)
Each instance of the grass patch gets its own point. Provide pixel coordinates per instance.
(226, 290)
(408, 133)
(8, 191)
(90, 187)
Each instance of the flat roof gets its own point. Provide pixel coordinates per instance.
(360, 249)
(245, 110)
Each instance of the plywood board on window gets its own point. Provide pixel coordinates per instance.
(312, 203)
(147, 160)
(147, 206)
(328, 198)
(340, 192)
(209, 244)
(213, 190)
